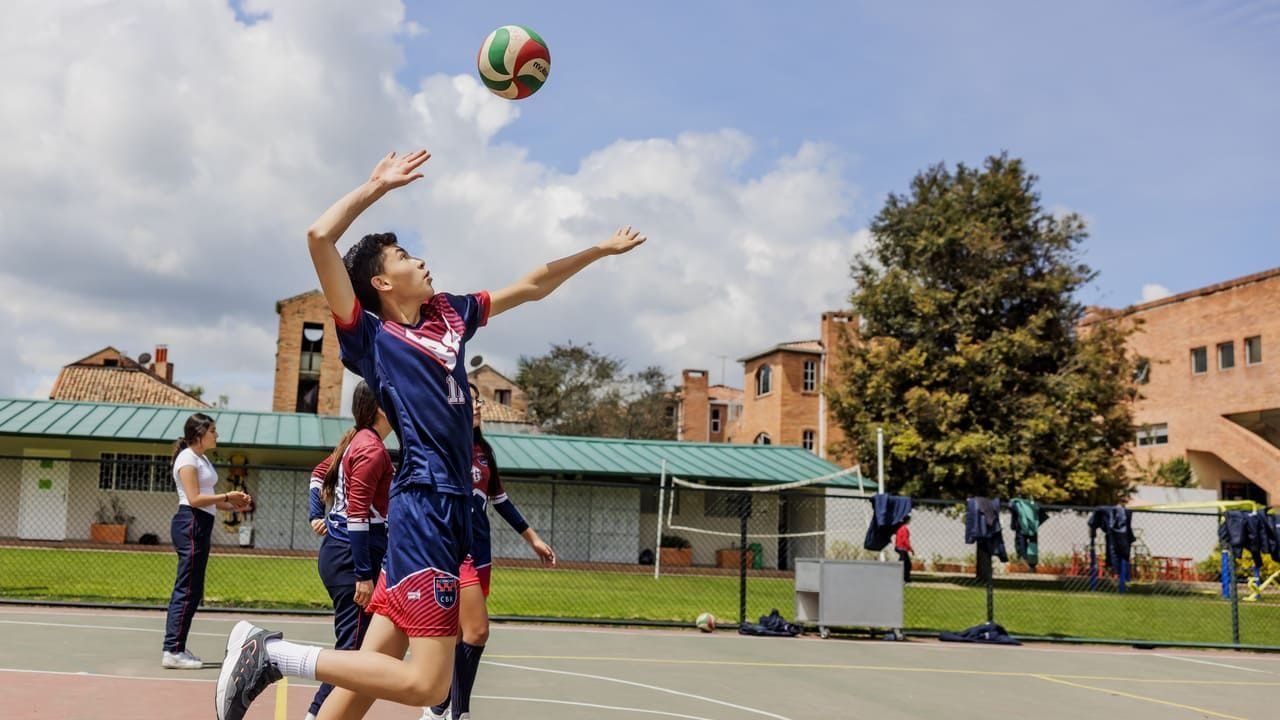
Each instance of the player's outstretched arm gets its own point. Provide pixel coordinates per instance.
(545, 278)
(322, 237)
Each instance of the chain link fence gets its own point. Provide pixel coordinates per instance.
(98, 532)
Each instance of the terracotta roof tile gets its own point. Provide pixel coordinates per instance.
(129, 385)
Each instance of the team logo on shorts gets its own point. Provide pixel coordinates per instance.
(446, 591)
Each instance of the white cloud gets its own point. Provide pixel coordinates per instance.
(1154, 291)
(170, 159)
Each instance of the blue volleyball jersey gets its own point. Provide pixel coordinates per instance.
(418, 374)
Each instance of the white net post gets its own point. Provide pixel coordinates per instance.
(657, 541)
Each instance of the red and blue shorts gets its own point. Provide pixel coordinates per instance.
(429, 534)
(470, 575)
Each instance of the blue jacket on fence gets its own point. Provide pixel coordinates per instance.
(1116, 524)
(1252, 531)
(888, 514)
(982, 526)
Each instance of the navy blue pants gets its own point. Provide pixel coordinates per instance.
(350, 621)
(191, 531)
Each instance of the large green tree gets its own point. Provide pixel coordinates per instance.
(971, 353)
(575, 390)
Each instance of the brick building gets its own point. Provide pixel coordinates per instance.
(1209, 393)
(308, 369)
(506, 406)
(705, 412)
(782, 400)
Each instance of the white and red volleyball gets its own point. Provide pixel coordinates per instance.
(514, 62)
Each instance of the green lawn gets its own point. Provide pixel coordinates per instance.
(248, 581)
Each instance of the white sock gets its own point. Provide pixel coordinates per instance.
(293, 659)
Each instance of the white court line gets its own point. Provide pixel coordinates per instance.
(169, 678)
(478, 697)
(127, 628)
(592, 705)
(656, 688)
(1206, 662)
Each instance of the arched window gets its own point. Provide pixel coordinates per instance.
(764, 380)
(763, 439)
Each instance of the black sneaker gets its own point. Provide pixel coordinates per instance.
(246, 670)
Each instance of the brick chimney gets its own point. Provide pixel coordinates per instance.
(838, 330)
(160, 364)
(695, 407)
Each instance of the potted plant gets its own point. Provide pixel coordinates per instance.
(675, 550)
(111, 522)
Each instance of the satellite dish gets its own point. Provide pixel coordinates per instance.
(144, 358)
(477, 361)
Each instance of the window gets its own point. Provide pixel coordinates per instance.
(1142, 371)
(1238, 490)
(649, 501)
(1226, 355)
(726, 504)
(763, 439)
(1199, 360)
(735, 411)
(764, 380)
(1153, 435)
(141, 473)
(715, 420)
(1253, 350)
(312, 340)
(810, 375)
(502, 397)
(807, 439)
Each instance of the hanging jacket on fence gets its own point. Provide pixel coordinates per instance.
(1025, 519)
(1253, 531)
(982, 527)
(1116, 524)
(1263, 527)
(887, 514)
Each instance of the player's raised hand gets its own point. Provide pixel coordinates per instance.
(394, 171)
(622, 241)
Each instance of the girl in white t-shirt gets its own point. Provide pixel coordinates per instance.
(192, 529)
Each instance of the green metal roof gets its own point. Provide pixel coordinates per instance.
(516, 453)
(153, 423)
(526, 453)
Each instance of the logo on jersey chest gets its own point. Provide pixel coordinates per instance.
(446, 591)
(440, 341)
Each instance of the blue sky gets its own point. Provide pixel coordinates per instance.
(162, 162)
(1158, 121)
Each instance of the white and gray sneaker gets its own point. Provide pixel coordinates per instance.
(430, 714)
(246, 670)
(180, 661)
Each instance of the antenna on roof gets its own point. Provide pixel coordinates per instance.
(144, 358)
(477, 361)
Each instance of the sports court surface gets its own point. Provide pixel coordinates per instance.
(67, 664)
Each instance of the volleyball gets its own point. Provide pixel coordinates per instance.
(706, 622)
(514, 62)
